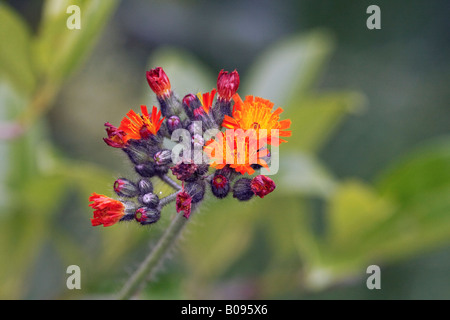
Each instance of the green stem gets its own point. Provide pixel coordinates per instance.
(41, 102)
(155, 257)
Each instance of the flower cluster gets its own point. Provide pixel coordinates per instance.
(222, 141)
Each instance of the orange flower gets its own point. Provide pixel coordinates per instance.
(107, 211)
(140, 127)
(256, 113)
(207, 99)
(236, 150)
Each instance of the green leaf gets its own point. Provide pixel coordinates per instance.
(302, 173)
(315, 117)
(58, 49)
(422, 171)
(419, 183)
(25, 227)
(12, 102)
(407, 214)
(288, 68)
(354, 209)
(15, 51)
(419, 227)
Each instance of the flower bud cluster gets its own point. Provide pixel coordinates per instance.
(144, 139)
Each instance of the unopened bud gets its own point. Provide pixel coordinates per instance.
(191, 103)
(196, 190)
(161, 169)
(159, 82)
(163, 157)
(125, 188)
(137, 151)
(146, 170)
(145, 215)
(220, 185)
(242, 189)
(149, 199)
(227, 84)
(198, 141)
(145, 186)
(173, 123)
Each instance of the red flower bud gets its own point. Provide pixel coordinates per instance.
(262, 185)
(227, 84)
(189, 98)
(158, 82)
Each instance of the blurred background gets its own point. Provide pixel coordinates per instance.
(365, 178)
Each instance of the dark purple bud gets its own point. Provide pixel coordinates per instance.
(196, 190)
(137, 151)
(220, 185)
(149, 199)
(173, 123)
(191, 103)
(146, 170)
(125, 188)
(163, 157)
(145, 215)
(242, 189)
(145, 186)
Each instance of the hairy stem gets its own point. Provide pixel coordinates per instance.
(166, 200)
(155, 257)
(170, 182)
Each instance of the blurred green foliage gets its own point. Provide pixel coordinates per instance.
(315, 231)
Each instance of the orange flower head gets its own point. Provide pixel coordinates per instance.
(107, 211)
(239, 151)
(141, 127)
(256, 113)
